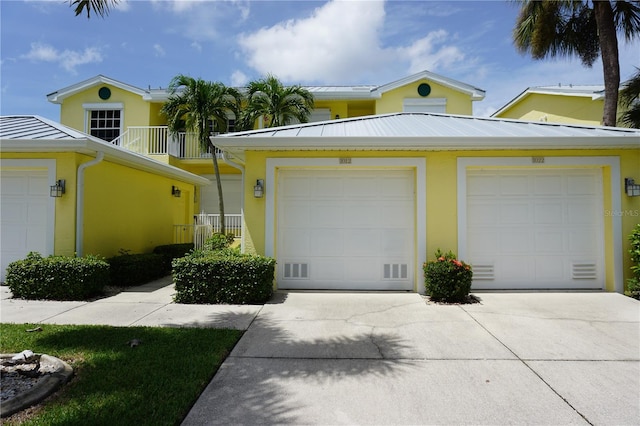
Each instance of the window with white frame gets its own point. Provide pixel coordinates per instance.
(438, 105)
(104, 121)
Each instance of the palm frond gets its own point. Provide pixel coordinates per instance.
(100, 7)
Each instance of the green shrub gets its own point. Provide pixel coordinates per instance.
(447, 279)
(633, 284)
(173, 251)
(223, 277)
(218, 241)
(135, 269)
(57, 277)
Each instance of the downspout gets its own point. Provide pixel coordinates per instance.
(80, 200)
(241, 168)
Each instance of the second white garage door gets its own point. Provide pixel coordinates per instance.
(346, 229)
(535, 229)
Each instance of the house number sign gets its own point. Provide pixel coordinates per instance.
(344, 160)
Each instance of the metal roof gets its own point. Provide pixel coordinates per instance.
(37, 134)
(30, 127)
(427, 131)
(593, 91)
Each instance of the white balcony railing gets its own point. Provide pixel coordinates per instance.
(204, 225)
(156, 140)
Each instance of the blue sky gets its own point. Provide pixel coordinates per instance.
(45, 47)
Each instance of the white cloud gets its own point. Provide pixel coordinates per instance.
(331, 45)
(430, 53)
(238, 79)
(159, 50)
(67, 59)
(196, 46)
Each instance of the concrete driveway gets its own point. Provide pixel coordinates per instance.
(390, 358)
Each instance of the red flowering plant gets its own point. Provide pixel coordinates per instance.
(447, 279)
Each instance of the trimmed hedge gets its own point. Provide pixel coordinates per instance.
(223, 277)
(447, 278)
(57, 277)
(134, 269)
(173, 251)
(633, 284)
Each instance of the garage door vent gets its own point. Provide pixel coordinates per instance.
(395, 271)
(484, 272)
(584, 271)
(296, 270)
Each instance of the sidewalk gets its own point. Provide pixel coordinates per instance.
(146, 305)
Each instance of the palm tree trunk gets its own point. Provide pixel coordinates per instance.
(216, 169)
(610, 63)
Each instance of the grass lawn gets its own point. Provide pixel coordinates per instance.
(155, 383)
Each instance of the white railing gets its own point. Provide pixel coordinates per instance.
(204, 226)
(151, 140)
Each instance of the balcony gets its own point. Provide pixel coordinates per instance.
(156, 140)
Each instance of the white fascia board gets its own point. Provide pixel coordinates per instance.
(475, 93)
(111, 153)
(427, 143)
(59, 95)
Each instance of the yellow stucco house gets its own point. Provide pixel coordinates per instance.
(557, 104)
(361, 203)
(130, 117)
(65, 192)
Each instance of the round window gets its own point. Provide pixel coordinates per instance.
(104, 93)
(424, 89)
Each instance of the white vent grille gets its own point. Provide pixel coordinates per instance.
(483, 272)
(395, 271)
(296, 270)
(584, 271)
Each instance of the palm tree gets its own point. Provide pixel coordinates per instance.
(193, 105)
(588, 29)
(630, 99)
(276, 104)
(101, 7)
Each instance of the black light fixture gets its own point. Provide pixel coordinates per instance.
(175, 191)
(631, 187)
(258, 189)
(57, 189)
(337, 116)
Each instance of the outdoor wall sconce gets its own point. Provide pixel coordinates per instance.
(175, 191)
(58, 189)
(631, 187)
(337, 116)
(258, 189)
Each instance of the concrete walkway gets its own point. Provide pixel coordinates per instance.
(320, 358)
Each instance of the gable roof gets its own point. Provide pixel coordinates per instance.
(426, 131)
(59, 95)
(30, 133)
(595, 92)
(356, 92)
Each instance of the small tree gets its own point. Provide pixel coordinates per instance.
(193, 105)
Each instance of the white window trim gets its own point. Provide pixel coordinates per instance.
(88, 107)
(526, 162)
(417, 164)
(419, 102)
(50, 166)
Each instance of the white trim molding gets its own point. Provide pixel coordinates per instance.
(612, 162)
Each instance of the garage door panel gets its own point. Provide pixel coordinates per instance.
(547, 185)
(355, 222)
(514, 185)
(555, 242)
(327, 242)
(548, 213)
(13, 210)
(296, 241)
(514, 213)
(14, 185)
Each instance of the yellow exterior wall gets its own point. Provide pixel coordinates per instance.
(441, 198)
(392, 101)
(124, 208)
(136, 111)
(557, 109)
(128, 209)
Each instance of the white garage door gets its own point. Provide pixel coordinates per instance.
(25, 221)
(535, 229)
(349, 230)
